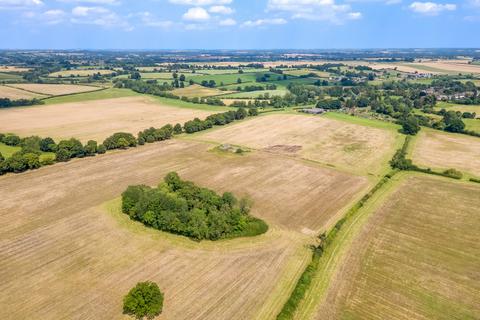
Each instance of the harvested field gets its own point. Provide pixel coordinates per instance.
(196, 90)
(452, 66)
(54, 89)
(402, 67)
(95, 119)
(229, 102)
(16, 94)
(442, 150)
(13, 69)
(80, 73)
(68, 256)
(411, 260)
(337, 143)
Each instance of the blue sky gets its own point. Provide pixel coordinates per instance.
(238, 24)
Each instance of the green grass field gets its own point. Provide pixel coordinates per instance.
(472, 124)
(9, 76)
(96, 95)
(8, 151)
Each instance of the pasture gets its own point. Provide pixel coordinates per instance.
(16, 94)
(96, 119)
(443, 150)
(69, 252)
(334, 143)
(411, 260)
(255, 94)
(54, 89)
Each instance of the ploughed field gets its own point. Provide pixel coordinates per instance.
(95, 119)
(415, 258)
(66, 248)
(336, 143)
(442, 150)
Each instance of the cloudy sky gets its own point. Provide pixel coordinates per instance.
(238, 24)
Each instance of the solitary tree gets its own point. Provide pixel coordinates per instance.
(144, 300)
(410, 126)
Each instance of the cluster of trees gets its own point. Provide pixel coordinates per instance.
(251, 88)
(144, 300)
(164, 133)
(7, 103)
(181, 207)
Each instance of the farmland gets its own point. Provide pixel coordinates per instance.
(411, 260)
(441, 150)
(310, 137)
(95, 119)
(198, 91)
(54, 89)
(80, 73)
(81, 227)
(16, 94)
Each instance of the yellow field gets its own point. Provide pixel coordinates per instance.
(16, 94)
(54, 89)
(442, 150)
(70, 253)
(80, 73)
(196, 90)
(95, 120)
(412, 260)
(13, 69)
(335, 143)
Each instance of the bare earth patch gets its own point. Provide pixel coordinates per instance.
(16, 94)
(54, 89)
(413, 260)
(338, 143)
(68, 257)
(94, 119)
(442, 150)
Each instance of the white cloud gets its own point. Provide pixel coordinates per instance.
(199, 3)
(54, 16)
(196, 14)
(151, 21)
(262, 22)
(227, 22)
(475, 3)
(98, 2)
(325, 10)
(99, 16)
(20, 4)
(431, 8)
(221, 10)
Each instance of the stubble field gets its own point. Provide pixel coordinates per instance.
(335, 143)
(16, 94)
(54, 89)
(95, 119)
(70, 253)
(412, 260)
(443, 150)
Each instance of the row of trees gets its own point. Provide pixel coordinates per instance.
(181, 207)
(7, 103)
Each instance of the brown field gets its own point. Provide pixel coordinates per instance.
(442, 150)
(229, 102)
(336, 143)
(71, 257)
(412, 260)
(94, 119)
(453, 66)
(13, 69)
(16, 94)
(54, 89)
(408, 68)
(196, 90)
(80, 73)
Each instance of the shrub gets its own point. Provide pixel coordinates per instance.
(91, 148)
(48, 145)
(72, 147)
(452, 173)
(1, 157)
(177, 129)
(410, 125)
(11, 140)
(101, 149)
(62, 155)
(144, 300)
(120, 140)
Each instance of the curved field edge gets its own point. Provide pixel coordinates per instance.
(287, 278)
